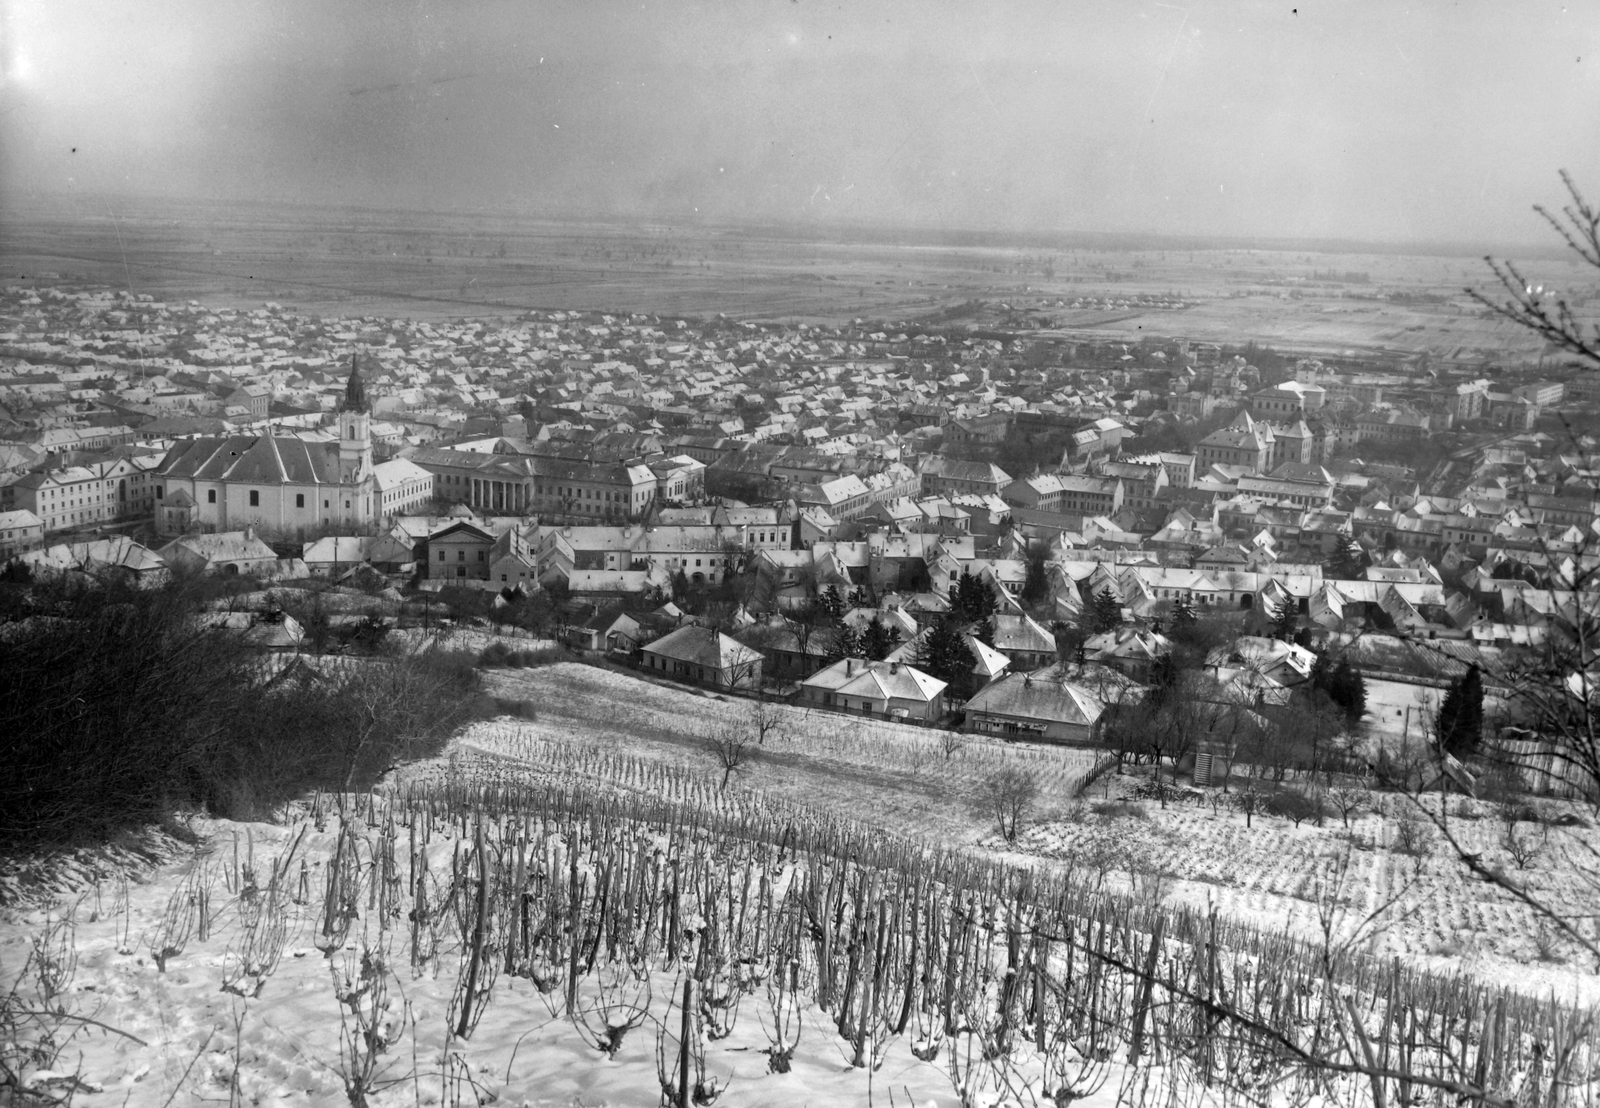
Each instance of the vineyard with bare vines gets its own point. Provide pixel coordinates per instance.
(664, 917)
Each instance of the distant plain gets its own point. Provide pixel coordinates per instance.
(431, 266)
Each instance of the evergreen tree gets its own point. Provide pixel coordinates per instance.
(961, 595)
(1283, 623)
(1105, 611)
(1348, 560)
(971, 599)
(844, 642)
(1036, 586)
(945, 655)
(879, 640)
(1068, 637)
(1183, 613)
(1343, 684)
(1460, 722)
(1352, 692)
(859, 598)
(1321, 671)
(983, 604)
(984, 632)
(1163, 680)
(830, 603)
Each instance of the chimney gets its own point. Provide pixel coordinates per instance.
(849, 666)
(894, 667)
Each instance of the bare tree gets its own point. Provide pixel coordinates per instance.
(743, 669)
(951, 742)
(1523, 849)
(1544, 311)
(729, 745)
(765, 721)
(1008, 795)
(1349, 799)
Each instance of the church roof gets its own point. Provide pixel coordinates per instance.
(253, 459)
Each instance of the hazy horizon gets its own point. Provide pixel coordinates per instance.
(1359, 124)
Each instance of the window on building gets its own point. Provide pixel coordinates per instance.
(324, 503)
(481, 556)
(441, 555)
(211, 496)
(255, 498)
(461, 555)
(299, 500)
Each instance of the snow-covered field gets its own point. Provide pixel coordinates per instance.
(177, 1036)
(915, 780)
(154, 979)
(1434, 913)
(223, 978)
(1424, 907)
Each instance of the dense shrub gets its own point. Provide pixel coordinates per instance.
(1119, 809)
(500, 655)
(106, 694)
(341, 730)
(1295, 806)
(116, 707)
(1166, 794)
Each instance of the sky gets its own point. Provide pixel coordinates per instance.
(1368, 120)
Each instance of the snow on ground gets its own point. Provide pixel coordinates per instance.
(1400, 710)
(1426, 908)
(174, 1036)
(177, 1037)
(472, 639)
(914, 780)
(1270, 874)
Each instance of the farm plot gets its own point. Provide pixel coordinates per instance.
(1388, 885)
(909, 779)
(460, 946)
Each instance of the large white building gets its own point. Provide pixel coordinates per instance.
(284, 485)
(71, 496)
(403, 487)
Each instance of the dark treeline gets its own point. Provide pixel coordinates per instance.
(119, 706)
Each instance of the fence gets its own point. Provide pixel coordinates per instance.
(1543, 767)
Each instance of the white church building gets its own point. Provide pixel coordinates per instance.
(287, 485)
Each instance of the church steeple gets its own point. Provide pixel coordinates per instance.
(355, 390)
(355, 430)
